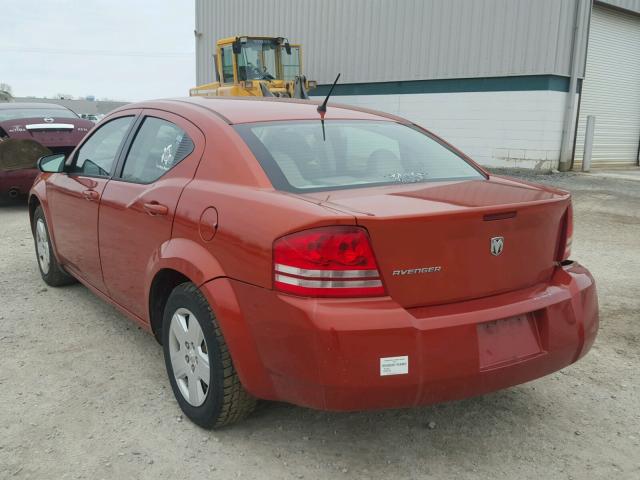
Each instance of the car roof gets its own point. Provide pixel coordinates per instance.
(234, 110)
(27, 105)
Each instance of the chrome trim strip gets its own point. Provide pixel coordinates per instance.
(49, 126)
(301, 272)
(301, 282)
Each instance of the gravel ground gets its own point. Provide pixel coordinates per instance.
(84, 394)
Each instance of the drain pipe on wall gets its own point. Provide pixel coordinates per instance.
(569, 124)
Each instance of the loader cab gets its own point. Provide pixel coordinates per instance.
(257, 66)
(258, 58)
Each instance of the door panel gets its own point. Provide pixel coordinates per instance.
(136, 218)
(73, 203)
(74, 199)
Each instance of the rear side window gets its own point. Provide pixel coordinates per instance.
(159, 145)
(96, 156)
(298, 157)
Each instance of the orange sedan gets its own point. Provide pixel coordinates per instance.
(340, 260)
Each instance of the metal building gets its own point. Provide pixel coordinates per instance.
(491, 76)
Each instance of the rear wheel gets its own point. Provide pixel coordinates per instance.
(51, 271)
(203, 378)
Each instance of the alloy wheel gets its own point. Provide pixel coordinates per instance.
(189, 357)
(42, 246)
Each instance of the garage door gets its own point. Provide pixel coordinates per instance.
(611, 88)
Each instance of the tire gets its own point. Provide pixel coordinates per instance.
(210, 397)
(51, 271)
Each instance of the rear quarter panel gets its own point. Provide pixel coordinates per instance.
(250, 213)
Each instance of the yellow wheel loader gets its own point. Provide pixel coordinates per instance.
(258, 67)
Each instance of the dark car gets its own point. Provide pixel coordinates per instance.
(28, 131)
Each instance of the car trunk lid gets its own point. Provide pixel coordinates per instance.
(48, 131)
(445, 242)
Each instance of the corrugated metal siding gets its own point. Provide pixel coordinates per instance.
(630, 5)
(611, 89)
(385, 40)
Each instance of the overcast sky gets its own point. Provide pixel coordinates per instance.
(117, 49)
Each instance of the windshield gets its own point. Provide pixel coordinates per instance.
(16, 113)
(257, 60)
(355, 154)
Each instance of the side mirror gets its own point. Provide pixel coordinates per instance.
(52, 163)
(236, 46)
(285, 43)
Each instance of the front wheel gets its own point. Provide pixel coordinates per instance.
(203, 378)
(51, 271)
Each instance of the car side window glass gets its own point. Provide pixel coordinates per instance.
(158, 146)
(95, 158)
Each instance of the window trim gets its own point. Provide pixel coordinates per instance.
(279, 181)
(71, 161)
(122, 160)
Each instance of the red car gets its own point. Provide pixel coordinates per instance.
(26, 131)
(356, 263)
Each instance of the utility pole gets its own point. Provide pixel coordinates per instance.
(569, 124)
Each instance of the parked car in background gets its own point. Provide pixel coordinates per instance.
(28, 131)
(90, 116)
(358, 262)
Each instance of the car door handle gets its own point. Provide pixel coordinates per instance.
(154, 208)
(90, 195)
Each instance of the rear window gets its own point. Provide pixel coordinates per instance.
(352, 153)
(18, 113)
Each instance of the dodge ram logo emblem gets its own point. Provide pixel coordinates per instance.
(497, 245)
(48, 119)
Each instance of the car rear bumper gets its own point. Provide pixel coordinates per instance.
(326, 353)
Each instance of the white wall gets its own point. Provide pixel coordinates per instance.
(506, 129)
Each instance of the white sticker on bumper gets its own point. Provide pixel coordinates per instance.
(394, 366)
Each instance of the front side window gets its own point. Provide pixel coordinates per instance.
(97, 155)
(298, 157)
(158, 146)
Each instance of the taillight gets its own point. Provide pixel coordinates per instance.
(568, 233)
(327, 262)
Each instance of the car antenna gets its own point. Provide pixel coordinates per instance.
(322, 108)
